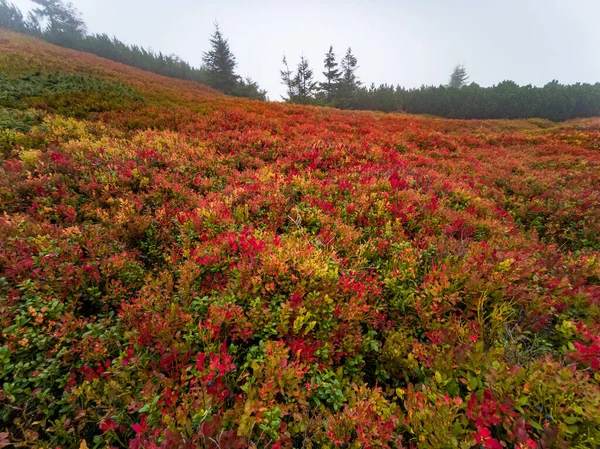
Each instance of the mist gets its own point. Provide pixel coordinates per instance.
(398, 42)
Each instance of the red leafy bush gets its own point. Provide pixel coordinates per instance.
(202, 271)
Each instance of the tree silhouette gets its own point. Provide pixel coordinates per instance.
(304, 82)
(64, 25)
(220, 63)
(332, 76)
(459, 77)
(349, 83)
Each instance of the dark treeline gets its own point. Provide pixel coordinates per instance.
(340, 87)
(60, 23)
(554, 101)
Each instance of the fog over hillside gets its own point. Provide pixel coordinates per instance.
(398, 42)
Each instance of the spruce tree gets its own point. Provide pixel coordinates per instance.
(349, 84)
(304, 82)
(220, 63)
(11, 17)
(287, 79)
(459, 77)
(332, 77)
(32, 25)
(64, 25)
(249, 88)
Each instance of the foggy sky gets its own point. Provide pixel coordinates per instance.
(404, 42)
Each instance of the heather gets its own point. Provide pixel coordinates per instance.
(179, 268)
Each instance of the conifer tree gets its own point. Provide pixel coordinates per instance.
(64, 24)
(32, 25)
(349, 84)
(249, 88)
(287, 79)
(304, 82)
(332, 76)
(11, 16)
(220, 63)
(459, 77)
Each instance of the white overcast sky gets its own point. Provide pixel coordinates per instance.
(407, 42)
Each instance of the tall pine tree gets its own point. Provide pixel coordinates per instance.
(304, 82)
(11, 16)
(220, 63)
(349, 84)
(64, 25)
(459, 77)
(287, 79)
(332, 76)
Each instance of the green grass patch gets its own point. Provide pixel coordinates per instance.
(70, 95)
(18, 120)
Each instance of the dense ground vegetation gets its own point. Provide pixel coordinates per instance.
(179, 268)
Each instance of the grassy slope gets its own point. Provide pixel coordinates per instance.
(178, 267)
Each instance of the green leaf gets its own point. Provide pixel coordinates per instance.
(473, 383)
(150, 407)
(536, 425)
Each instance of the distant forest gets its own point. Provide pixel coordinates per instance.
(340, 87)
(60, 23)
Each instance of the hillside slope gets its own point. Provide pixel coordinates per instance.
(183, 269)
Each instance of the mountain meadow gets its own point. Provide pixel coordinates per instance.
(184, 269)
